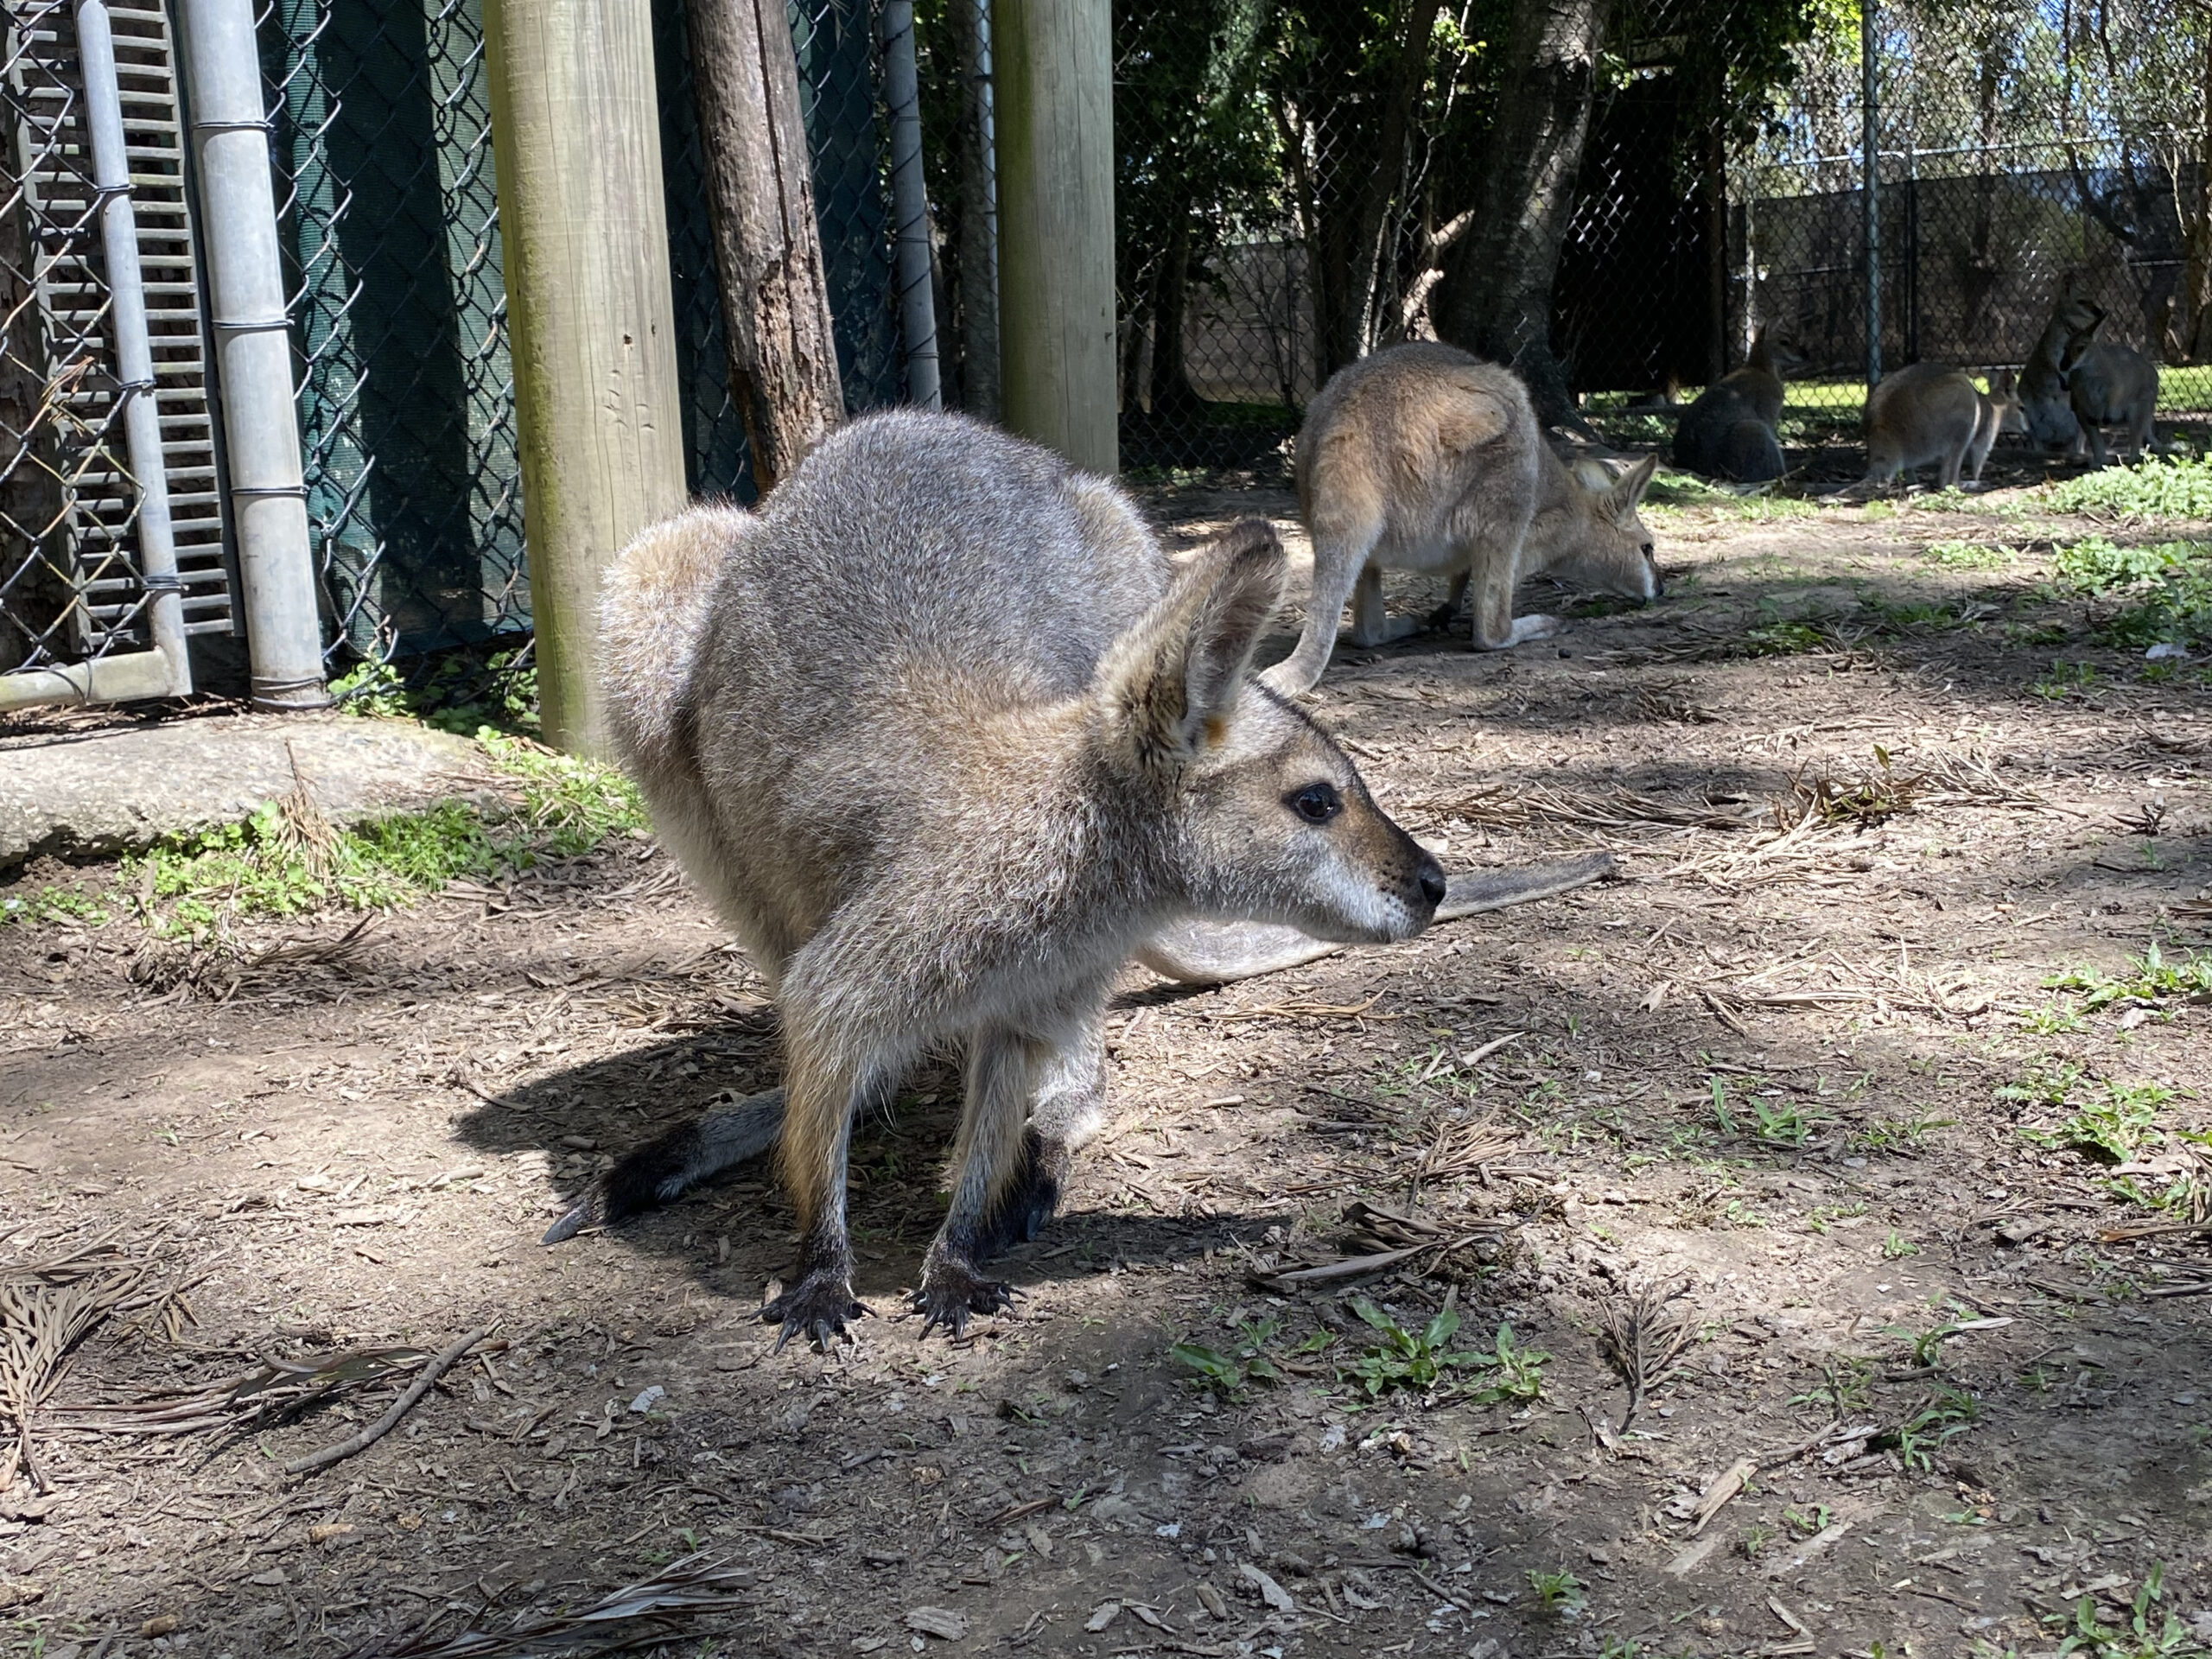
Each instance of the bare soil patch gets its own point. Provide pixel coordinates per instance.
(1775, 1126)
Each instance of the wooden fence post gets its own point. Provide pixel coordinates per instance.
(1054, 61)
(575, 135)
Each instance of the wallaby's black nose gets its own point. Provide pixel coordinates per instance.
(1432, 882)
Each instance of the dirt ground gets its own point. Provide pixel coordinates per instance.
(1925, 1404)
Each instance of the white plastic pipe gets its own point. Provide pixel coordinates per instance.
(253, 351)
(134, 349)
(902, 98)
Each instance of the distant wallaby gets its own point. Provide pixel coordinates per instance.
(1421, 457)
(2044, 402)
(1729, 432)
(2109, 385)
(1927, 413)
(946, 736)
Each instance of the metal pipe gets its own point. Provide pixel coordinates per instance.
(1870, 191)
(134, 349)
(909, 205)
(253, 351)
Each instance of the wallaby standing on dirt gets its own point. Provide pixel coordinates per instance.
(1927, 413)
(946, 736)
(2044, 402)
(2109, 385)
(1421, 457)
(1729, 432)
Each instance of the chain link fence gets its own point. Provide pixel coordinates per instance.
(390, 219)
(1303, 183)
(78, 582)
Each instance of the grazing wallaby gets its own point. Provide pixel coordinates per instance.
(2108, 385)
(1421, 457)
(946, 736)
(2044, 402)
(1729, 432)
(1926, 412)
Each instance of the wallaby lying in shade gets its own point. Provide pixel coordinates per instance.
(946, 737)
(1927, 414)
(1729, 432)
(2045, 404)
(2109, 385)
(1421, 457)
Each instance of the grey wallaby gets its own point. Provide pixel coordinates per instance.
(1926, 414)
(946, 737)
(1730, 431)
(2111, 385)
(1421, 457)
(2045, 404)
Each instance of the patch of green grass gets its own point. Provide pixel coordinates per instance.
(1425, 1362)
(1895, 1135)
(287, 861)
(2148, 978)
(1245, 1360)
(1897, 1247)
(1944, 1415)
(2065, 680)
(2155, 487)
(458, 691)
(2167, 588)
(2107, 1121)
(1817, 1219)
(2053, 1021)
(1970, 556)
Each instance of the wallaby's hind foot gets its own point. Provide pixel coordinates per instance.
(1524, 629)
(815, 1308)
(953, 1290)
(1030, 1198)
(664, 1169)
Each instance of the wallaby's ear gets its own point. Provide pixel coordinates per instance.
(1172, 681)
(1628, 489)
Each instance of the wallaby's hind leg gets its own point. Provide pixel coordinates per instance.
(664, 1170)
(1496, 627)
(1067, 1105)
(1370, 624)
(1954, 460)
(1338, 561)
(823, 1090)
(993, 1131)
(2098, 454)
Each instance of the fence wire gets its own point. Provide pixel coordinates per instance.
(1302, 183)
(389, 218)
(72, 586)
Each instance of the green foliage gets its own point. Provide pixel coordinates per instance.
(2108, 1120)
(569, 805)
(1897, 1247)
(1556, 1592)
(2147, 978)
(1424, 1361)
(1969, 555)
(1245, 1360)
(2168, 588)
(2144, 1636)
(456, 691)
(1895, 1135)
(1945, 1414)
(2155, 487)
(52, 903)
(2064, 680)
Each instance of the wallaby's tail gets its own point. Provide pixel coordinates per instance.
(651, 614)
(664, 1170)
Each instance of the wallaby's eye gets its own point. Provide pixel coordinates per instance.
(1650, 551)
(1316, 803)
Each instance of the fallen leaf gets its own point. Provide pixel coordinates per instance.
(1271, 1593)
(160, 1625)
(1103, 1615)
(1722, 1490)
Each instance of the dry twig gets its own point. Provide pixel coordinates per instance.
(653, 1610)
(384, 1425)
(1644, 1337)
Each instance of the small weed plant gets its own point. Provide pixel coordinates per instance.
(2149, 1632)
(1229, 1371)
(1557, 1593)
(1425, 1362)
(2150, 977)
(2155, 487)
(2065, 680)
(1897, 1247)
(2164, 591)
(1970, 556)
(1896, 1137)
(1944, 1415)
(2107, 1121)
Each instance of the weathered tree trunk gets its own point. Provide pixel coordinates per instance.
(783, 357)
(1496, 296)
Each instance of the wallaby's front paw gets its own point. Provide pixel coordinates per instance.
(951, 1290)
(815, 1308)
(1440, 618)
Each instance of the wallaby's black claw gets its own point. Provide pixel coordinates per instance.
(815, 1308)
(951, 1292)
